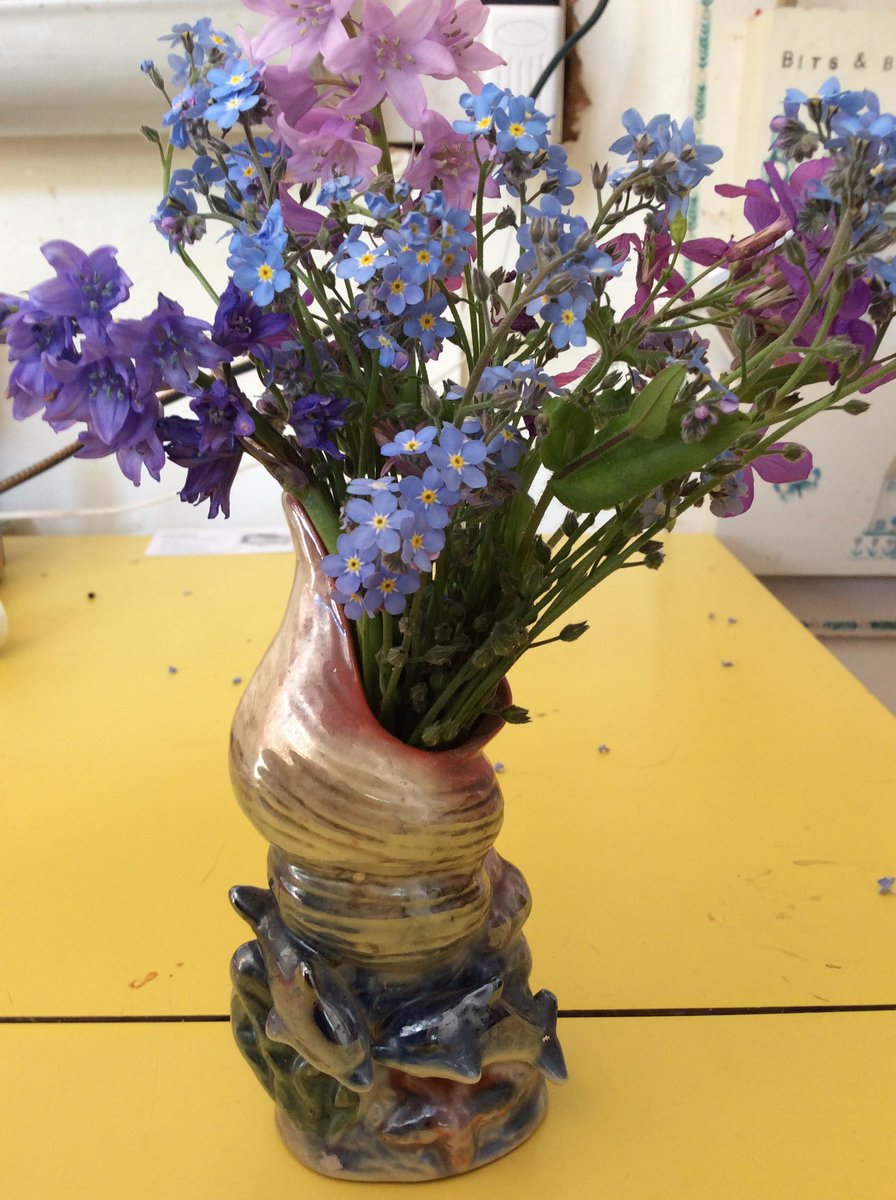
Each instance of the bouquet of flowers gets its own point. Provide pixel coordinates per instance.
(350, 278)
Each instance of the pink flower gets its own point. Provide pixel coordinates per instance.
(326, 144)
(450, 158)
(307, 27)
(389, 55)
(456, 29)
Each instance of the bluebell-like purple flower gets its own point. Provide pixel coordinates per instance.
(224, 417)
(314, 417)
(209, 476)
(243, 328)
(168, 347)
(87, 287)
(137, 444)
(100, 389)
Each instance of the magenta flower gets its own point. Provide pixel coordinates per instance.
(388, 57)
(735, 494)
(456, 29)
(306, 27)
(449, 157)
(325, 145)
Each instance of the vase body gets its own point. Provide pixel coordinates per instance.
(384, 1002)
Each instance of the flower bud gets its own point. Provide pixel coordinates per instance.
(506, 218)
(481, 285)
(856, 407)
(599, 175)
(743, 332)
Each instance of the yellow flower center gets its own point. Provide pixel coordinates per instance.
(516, 129)
(457, 461)
(265, 272)
(388, 585)
(423, 257)
(353, 564)
(396, 287)
(417, 541)
(412, 444)
(366, 259)
(427, 321)
(427, 496)
(568, 317)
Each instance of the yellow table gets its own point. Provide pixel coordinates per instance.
(702, 806)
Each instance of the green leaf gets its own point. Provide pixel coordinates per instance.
(636, 466)
(519, 513)
(651, 407)
(570, 434)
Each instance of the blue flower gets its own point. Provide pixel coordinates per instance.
(372, 487)
(397, 292)
(410, 441)
(356, 260)
(187, 106)
(389, 590)
(457, 459)
(426, 323)
(480, 110)
(429, 496)
(352, 563)
(387, 350)
(566, 316)
(521, 126)
(508, 446)
(338, 190)
(422, 544)
(379, 521)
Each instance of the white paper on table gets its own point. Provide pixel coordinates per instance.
(173, 542)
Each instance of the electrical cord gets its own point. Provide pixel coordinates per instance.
(568, 45)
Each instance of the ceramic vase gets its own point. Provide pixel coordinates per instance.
(384, 1000)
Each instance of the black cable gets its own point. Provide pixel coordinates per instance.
(568, 45)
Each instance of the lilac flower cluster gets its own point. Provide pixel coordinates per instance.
(395, 527)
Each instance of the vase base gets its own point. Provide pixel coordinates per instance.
(411, 1129)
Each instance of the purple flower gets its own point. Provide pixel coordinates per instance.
(243, 328)
(168, 347)
(379, 521)
(100, 389)
(209, 476)
(223, 415)
(306, 27)
(137, 444)
(456, 458)
(86, 288)
(314, 417)
(449, 157)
